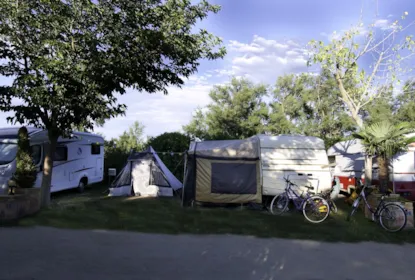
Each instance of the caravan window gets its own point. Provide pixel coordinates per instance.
(95, 149)
(61, 153)
(36, 153)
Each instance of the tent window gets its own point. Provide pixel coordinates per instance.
(234, 178)
(157, 177)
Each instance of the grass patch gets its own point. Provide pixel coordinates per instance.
(94, 210)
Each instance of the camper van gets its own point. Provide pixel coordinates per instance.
(78, 160)
(253, 169)
(348, 159)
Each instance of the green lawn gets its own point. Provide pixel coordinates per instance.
(94, 210)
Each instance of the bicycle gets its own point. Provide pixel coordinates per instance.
(310, 204)
(384, 212)
(327, 196)
(330, 194)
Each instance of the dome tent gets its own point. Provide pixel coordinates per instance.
(145, 174)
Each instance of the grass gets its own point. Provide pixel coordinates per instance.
(94, 210)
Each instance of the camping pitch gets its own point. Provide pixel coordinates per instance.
(253, 169)
(145, 175)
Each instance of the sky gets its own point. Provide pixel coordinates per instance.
(264, 39)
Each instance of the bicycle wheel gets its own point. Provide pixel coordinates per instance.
(316, 209)
(392, 217)
(281, 204)
(355, 205)
(333, 207)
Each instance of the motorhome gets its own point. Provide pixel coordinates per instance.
(348, 159)
(77, 162)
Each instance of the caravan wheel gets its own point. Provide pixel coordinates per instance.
(82, 185)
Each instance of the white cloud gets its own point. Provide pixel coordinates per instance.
(383, 24)
(275, 59)
(160, 113)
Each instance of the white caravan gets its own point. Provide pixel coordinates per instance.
(301, 158)
(348, 158)
(78, 160)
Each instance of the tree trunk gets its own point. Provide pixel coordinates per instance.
(49, 150)
(368, 169)
(383, 174)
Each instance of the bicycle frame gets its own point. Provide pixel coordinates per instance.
(298, 200)
(373, 211)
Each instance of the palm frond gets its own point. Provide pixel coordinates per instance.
(384, 138)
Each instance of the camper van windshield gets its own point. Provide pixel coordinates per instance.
(8, 152)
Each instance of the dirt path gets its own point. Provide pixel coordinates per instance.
(46, 253)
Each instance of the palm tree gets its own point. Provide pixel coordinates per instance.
(384, 140)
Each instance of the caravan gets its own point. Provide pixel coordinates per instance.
(78, 160)
(348, 159)
(253, 169)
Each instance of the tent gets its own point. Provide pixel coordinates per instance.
(145, 174)
(225, 171)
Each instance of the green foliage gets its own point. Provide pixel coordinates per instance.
(25, 174)
(114, 156)
(131, 139)
(405, 103)
(237, 111)
(118, 150)
(171, 142)
(342, 57)
(309, 105)
(381, 109)
(69, 58)
(385, 139)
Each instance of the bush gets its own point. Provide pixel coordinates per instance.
(25, 175)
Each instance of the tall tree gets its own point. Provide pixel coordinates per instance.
(131, 139)
(405, 103)
(304, 104)
(170, 147)
(347, 55)
(346, 58)
(237, 111)
(69, 59)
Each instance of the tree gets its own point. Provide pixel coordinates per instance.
(70, 59)
(237, 111)
(131, 139)
(171, 147)
(117, 150)
(384, 140)
(405, 103)
(381, 109)
(304, 104)
(25, 174)
(346, 55)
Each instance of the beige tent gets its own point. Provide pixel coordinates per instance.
(226, 171)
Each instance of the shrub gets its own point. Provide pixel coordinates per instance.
(25, 175)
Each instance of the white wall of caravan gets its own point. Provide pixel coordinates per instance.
(294, 157)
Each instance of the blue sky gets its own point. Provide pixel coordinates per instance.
(264, 39)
